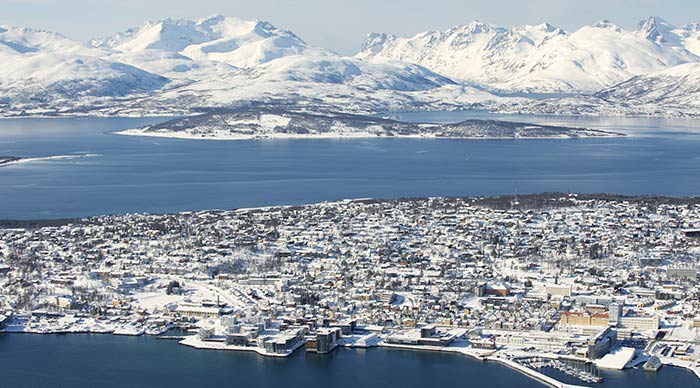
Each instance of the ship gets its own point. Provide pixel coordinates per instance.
(653, 364)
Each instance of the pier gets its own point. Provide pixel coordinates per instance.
(541, 377)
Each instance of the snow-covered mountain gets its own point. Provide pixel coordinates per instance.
(42, 66)
(329, 82)
(541, 58)
(213, 44)
(662, 32)
(219, 62)
(350, 71)
(689, 36)
(27, 40)
(673, 92)
(678, 86)
(183, 66)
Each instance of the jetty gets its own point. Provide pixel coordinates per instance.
(534, 374)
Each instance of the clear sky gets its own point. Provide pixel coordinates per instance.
(340, 25)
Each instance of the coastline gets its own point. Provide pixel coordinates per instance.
(348, 136)
(194, 342)
(46, 158)
(535, 375)
(489, 355)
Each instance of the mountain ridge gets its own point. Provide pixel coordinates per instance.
(540, 59)
(180, 66)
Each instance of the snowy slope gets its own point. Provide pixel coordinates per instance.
(26, 40)
(214, 44)
(182, 66)
(257, 123)
(219, 62)
(678, 86)
(538, 58)
(46, 66)
(689, 36)
(674, 92)
(207, 63)
(329, 82)
(350, 71)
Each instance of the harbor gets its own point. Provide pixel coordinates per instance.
(168, 364)
(583, 371)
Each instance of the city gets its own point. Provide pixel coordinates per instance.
(372, 194)
(564, 281)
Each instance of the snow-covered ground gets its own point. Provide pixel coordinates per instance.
(266, 123)
(617, 359)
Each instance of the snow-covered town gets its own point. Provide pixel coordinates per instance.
(562, 281)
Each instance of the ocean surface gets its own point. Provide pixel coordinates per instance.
(97, 361)
(137, 174)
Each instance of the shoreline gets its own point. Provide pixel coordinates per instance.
(194, 342)
(533, 374)
(350, 136)
(503, 196)
(489, 355)
(21, 160)
(482, 355)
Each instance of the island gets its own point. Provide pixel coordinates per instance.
(276, 123)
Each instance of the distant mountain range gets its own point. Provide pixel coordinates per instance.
(543, 58)
(185, 66)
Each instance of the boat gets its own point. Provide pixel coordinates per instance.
(653, 364)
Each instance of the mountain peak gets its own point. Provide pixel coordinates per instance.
(25, 40)
(654, 21)
(374, 42)
(657, 30)
(218, 32)
(477, 27)
(606, 24)
(691, 27)
(212, 19)
(547, 27)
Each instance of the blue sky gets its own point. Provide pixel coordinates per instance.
(339, 24)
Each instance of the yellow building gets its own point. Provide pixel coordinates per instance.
(583, 319)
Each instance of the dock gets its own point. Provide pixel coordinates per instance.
(535, 375)
(194, 342)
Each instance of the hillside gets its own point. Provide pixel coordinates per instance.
(275, 123)
(543, 58)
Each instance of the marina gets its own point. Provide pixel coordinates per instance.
(583, 371)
